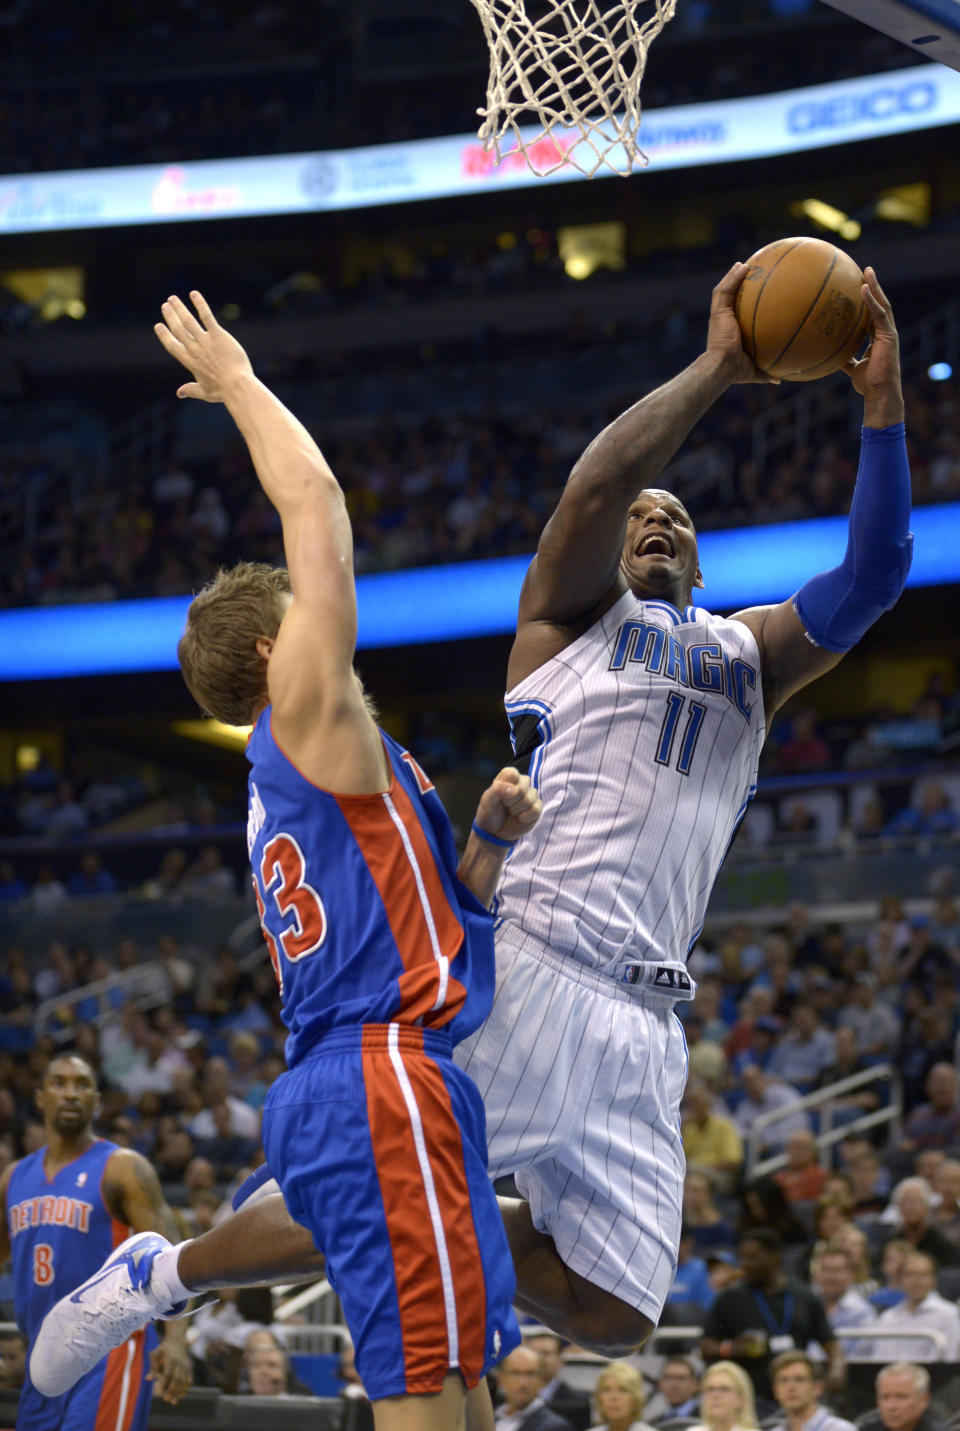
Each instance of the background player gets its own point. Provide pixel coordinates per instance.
(383, 956)
(66, 1207)
(643, 719)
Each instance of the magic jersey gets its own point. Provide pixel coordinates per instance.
(644, 736)
(60, 1229)
(361, 908)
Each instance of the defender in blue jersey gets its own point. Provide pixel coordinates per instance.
(382, 947)
(66, 1207)
(582, 1060)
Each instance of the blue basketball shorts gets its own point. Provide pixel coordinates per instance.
(378, 1143)
(114, 1394)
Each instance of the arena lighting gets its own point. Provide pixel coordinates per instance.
(939, 372)
(214, 732)
(742, 567)
(835, 220)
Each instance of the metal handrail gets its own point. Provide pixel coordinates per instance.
(148, 983)
(936, 1338)
(870, 1333)
(823, 1098)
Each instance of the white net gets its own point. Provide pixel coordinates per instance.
(568, 72)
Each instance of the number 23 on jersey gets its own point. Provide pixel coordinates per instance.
(282, 878)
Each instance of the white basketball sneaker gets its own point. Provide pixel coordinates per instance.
(101, 1314)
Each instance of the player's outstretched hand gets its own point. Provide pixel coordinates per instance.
(510, 806)
(205, 349)
(876, 376)
(171, 1369)
(723, 330)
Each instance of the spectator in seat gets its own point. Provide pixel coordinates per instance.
(520, 1381)
(91, 878)
(946, 1185)
(12, 887)
(727, 1401)
(700, 1213)
(677, 1393)
(903, 1400)
(13, 1360)
(803, 1178)
(890, 1289)
(208, 877)
(711, 1142)
(922, 1309)
(847, 1061)
(764, 1033)
(619, 1398)
(933, 814)
(225, 1149)
(558, 1395)
(797, 1387)
(266, 1370)
(691, 1281)
(872, 1019)
(914, 1200)
(244, 1120)
(805, 748)
(751, 1322)
(831, 1216)
(832, 1279)
(936, 1123)
(763, 1093)
(765, 1206)
(804, 1051)
(47, 893)
(866, 1175)
(706, 1059)
(723, 1268)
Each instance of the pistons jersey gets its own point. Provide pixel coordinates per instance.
(643, 738)
(360, 905)
(60, 1229)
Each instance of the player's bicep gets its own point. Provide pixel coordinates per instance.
(318, 546)
(789, 660)
(134, 1195)
(577, 559)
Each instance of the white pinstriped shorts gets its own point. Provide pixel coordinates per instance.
(581, 1077)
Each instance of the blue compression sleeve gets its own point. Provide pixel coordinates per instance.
(838, 606)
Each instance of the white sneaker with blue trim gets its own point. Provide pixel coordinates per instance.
(101, 1314)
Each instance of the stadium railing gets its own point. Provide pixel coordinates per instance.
(823, 1102)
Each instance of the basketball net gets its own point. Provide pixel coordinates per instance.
(574, 72)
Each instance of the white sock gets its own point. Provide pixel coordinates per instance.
(164, 1278)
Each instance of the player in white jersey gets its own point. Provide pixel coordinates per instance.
(643, 719)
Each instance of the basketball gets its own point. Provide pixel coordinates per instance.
(801, 309)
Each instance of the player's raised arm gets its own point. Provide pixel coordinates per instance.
(292, 470)
(578, 557)
(803, 637)
(318, 706)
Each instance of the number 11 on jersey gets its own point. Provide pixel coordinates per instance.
(691, 732)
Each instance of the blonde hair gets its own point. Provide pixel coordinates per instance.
(747, 1415)
(224, 672)
(628, 1379)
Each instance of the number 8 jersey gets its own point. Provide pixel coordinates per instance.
(60, 1230)
(360, 905)
(643, 737)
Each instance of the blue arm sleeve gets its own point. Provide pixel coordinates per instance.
(838, 606)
